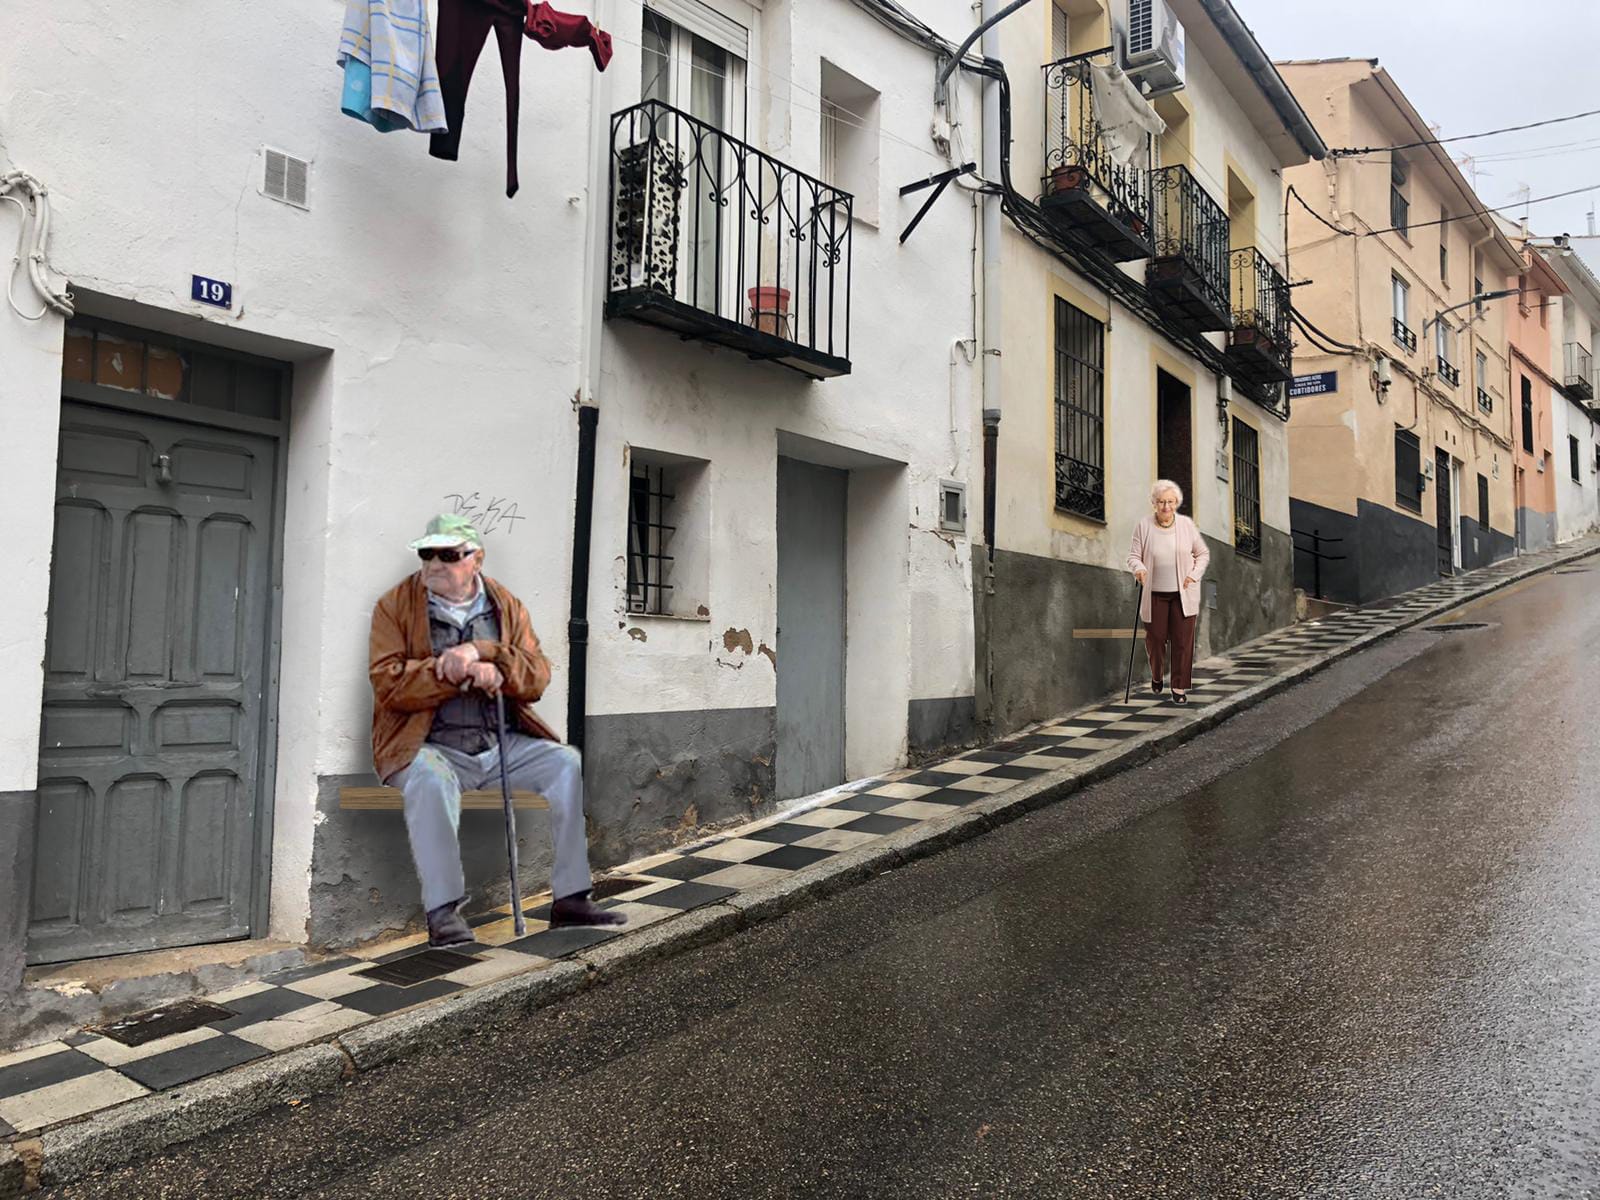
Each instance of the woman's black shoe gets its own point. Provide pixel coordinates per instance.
(1155, 686)
(1180, 697)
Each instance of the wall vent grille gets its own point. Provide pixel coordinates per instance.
(286, 178)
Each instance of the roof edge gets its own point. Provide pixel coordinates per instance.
(1255, 60)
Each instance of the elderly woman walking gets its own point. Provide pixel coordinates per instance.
(1168, 557)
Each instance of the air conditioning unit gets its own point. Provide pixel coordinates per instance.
(1152, 47)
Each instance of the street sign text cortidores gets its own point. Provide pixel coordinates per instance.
(1314, 385)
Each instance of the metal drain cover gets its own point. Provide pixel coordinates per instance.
(163, 1022)
(1456, 626)
(1574, 571)
(418, 968)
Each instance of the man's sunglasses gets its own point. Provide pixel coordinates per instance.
(428, 554)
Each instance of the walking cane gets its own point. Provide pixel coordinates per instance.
(1127, 692)
(521, 925)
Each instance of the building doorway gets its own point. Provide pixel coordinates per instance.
(811, 627)
(1175, 436)
(1444, 511)
(152, 816)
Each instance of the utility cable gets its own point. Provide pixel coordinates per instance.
(1462, 137)
(1482, 211)
(1311, 330)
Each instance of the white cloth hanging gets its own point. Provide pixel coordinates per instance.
(1123, 115)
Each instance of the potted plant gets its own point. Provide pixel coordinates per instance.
(769, 309)
(1067, 178)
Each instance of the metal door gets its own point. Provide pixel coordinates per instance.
(154, 685)
(1442, 512)
(811, 627)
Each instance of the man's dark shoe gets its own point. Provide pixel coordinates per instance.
(580, 910)
(446, 928)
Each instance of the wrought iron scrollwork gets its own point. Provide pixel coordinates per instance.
(1076, 149)
(1191, 226)
(1080, 487)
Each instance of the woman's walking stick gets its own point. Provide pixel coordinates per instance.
(520, 925)
(1127, 692)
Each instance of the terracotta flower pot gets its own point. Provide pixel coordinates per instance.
(769, 309)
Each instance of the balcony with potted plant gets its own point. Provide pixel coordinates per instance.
(1097, 155)
(711, 239)
(1188, 276)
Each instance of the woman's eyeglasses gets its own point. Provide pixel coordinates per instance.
(453, 555)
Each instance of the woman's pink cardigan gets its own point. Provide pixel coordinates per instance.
(1191, 549)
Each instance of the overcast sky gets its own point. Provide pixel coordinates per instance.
(1454, 61)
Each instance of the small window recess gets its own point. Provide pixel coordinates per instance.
(668, 536)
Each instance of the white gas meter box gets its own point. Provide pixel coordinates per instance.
(1152, 47)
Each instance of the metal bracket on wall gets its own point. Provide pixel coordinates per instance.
(938, 183)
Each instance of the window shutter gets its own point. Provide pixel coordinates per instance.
(707, 22)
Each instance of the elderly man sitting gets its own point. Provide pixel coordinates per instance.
(446, 643)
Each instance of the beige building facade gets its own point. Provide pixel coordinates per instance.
(1401, 453)
(1145, 336)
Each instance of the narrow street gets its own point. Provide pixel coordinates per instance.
(1346, 945)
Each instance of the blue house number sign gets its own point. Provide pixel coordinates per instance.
(211, 291)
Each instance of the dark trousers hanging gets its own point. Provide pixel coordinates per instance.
(1168, 624)
(463, 28)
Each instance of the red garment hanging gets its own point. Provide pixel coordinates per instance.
(464, 27)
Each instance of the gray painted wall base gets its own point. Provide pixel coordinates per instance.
(1040, 670)
(1538, 528)
(652, 777)
(18, 811)
(939, 724)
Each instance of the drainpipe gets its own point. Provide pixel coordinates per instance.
(991, 274)
(578, 619)
(596, 232)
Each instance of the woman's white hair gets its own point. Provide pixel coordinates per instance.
(1165, 485)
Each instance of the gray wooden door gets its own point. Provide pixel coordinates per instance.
(811, 627)
(154, 685)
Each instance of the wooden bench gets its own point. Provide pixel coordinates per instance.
(388, 799)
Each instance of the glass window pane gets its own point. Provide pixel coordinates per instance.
(119, 363)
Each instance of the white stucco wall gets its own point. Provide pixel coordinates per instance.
(1577, 501)
(438, 332)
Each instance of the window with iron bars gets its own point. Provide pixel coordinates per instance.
(1246, 490)
(1080, 413)
(649, 533)
(1399, 206)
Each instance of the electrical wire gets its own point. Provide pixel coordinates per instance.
(1461, 137)
(1481, 211)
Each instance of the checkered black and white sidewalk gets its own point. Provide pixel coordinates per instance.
(88, 1071)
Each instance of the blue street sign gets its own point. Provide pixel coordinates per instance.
(211, 291)
(1314, 385)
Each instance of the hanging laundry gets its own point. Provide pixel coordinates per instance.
(558, 31)
(464, 28)
(390, 80)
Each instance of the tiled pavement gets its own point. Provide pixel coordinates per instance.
(83, 1072)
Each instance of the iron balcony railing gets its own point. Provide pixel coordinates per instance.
(1448, 371)
(1485, 400)
(1579, 375)
(1261, 302)
(1079, 151)
(1192, 227)
(1403, 335)
(713, 238)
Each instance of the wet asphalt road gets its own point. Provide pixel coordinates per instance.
(1346, 945)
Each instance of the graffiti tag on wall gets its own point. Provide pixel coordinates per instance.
(496, 513)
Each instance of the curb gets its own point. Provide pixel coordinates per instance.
(151, 1124)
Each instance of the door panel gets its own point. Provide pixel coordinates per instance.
(154, 686)
(811, 628)
(1442, 512)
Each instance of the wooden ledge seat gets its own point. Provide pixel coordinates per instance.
(389, 799)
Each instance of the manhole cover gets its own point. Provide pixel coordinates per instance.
(1575, 571)
(615, 885)
(417, 968)
(1456, 626)
(163, 1022)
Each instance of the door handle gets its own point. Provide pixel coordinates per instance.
(163, 465)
